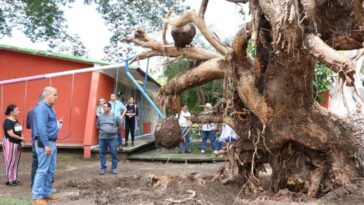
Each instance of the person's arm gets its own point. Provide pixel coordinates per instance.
(97, 112)
(118, 122)
(136, 110)
(98, 123)
(124, 112)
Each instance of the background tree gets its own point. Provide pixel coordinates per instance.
(269, 98)
(43, 21)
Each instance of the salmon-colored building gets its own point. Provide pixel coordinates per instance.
(78, 94)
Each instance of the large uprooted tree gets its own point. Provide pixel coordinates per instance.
(268, 98)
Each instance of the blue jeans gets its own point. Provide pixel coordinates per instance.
(120, 137)
(186, 140)
(211, 135)
(112, 144)
(47, 166)
(223, 142)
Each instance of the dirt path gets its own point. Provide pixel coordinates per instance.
(79, 182)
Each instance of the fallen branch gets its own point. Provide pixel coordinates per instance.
(192, 17)
(205, 72)
(203, 8)
(165, 26)
(329, 57)
(157, 49)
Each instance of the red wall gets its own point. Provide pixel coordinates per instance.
(72, 98)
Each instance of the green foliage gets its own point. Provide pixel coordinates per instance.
(43, 21)
(321, 81)
(195, 97)
(123, 16)
(251, 50)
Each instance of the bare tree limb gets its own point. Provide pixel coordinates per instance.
(165, 26)
(203, 8)
(250, 95)
(207, 119)
(157, 49)
(240, 42)
(207, 71)
(328, 56)
(192, 17)
(256, 11)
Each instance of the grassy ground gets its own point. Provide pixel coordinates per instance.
(9, 200)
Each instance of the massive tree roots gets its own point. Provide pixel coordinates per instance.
(269, 99)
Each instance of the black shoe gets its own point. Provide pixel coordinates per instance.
(10, 184)
(126, 144)
(17, 182)
(187, 151)
(132, 144)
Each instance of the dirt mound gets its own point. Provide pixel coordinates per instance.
(167, 133)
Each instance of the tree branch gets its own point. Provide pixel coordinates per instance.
(250, 95)
(328, 56)
(240, 42)
(157, 49)
(207, 71)
(192, 17)
(165, 26)
(203, 8)
(207, 119)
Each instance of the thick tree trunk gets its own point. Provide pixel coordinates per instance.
(270, 101)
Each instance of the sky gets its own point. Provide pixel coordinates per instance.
(223, 17)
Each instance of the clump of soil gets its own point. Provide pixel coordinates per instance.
(167, 133)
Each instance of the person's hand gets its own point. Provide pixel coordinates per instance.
(60, 121)
(48, 150)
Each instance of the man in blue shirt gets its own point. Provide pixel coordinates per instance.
(46, 132)
(118, 109)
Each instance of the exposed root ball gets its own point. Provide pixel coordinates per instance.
(167, 133)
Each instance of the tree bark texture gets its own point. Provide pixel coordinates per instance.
(271, 105)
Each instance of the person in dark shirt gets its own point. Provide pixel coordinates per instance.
(12, 143)
(29, 125)
(130, 112)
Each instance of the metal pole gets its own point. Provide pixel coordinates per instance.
(56, 74)
(136, 84)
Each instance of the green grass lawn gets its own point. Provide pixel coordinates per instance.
(7, 200)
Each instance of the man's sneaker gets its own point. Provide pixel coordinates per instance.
(52, 197)
(126, 144)
(114, 171)
(202, 151)
(215, 152)
(54, 190)
(102, 172)
(39, 202)
(187, 151)
(132, 144)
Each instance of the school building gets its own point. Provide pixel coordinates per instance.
(78, 94)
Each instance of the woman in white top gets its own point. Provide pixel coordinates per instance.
(185, 124)
(227, 135)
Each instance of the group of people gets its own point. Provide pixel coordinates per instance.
(44, 125)
(109, 120)
(227, 135)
